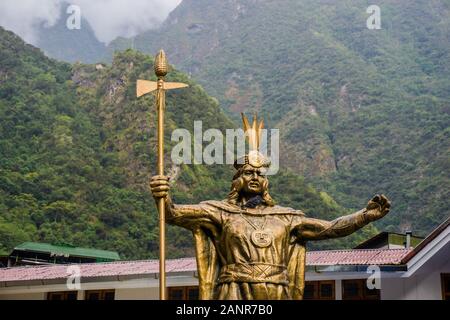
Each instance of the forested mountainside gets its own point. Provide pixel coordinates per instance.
(77, 149)
(360, 111)
(70, 45)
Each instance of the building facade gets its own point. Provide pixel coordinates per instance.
(420, 273)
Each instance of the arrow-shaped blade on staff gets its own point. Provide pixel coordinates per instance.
(145, 86)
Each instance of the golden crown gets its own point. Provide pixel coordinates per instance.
(253, 135)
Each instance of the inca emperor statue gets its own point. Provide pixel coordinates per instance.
(247, 247)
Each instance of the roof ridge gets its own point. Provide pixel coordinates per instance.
(348, 250)
(434, 234)
(57, 265)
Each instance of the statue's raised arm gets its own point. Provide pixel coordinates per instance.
(316, 229)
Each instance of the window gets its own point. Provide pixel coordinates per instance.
(100, 295)
(319, 290)
(192, 293)
(326, 290)
(358, 290)
(445, 283)
(63, 295)
(176, 293)
(183, 293)
(351, 290)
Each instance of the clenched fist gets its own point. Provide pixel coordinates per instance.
(378, 207)
(159, 185)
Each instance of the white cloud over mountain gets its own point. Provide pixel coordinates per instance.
(108, 18)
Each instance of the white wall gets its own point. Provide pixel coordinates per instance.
(133, 289)
(137, 294)
(24, 296)
(425, 284)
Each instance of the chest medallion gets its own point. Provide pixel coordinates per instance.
(260, 237)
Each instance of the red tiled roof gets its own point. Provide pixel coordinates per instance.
(145, 267)
(356, 257)
(89, 270)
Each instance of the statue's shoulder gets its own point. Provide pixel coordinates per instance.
(221, 204)
(283, 210)
(224, 205)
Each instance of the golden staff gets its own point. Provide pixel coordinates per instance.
(144, 87)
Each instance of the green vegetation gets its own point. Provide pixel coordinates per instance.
(360, 111)
(77, 150)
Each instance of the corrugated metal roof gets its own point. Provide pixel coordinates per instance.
(146, 267)
(68, 250)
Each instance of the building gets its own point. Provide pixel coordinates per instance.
(391, 240)
(34, 253)
(422, 272)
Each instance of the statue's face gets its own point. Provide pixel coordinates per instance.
(253, 179)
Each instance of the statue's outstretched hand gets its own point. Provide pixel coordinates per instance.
(378, 207)
(159, 185)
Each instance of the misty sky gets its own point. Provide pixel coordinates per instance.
(108, 18)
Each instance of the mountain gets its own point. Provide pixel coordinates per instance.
(360, 111)
(78, 149)
(70, 45)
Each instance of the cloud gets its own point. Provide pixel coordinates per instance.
(23, 17)
(113, 18)
(108, 18)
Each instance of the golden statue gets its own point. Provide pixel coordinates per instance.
(247, 247)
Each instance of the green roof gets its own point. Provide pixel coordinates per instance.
(68, 250)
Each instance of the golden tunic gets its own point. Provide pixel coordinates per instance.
(233, 262)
